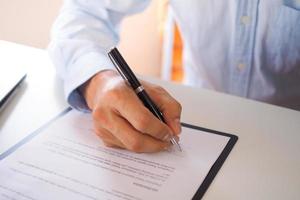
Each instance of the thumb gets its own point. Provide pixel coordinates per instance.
(170, 108)
(172, 112)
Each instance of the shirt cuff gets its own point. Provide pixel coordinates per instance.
(79, 72)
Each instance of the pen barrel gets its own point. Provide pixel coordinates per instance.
(147, 101)
(123, 68)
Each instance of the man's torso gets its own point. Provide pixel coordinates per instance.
(249, 48)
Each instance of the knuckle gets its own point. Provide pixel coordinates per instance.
(159, 130)
(163, 133)
(178, 106)
(114, 129)
(142, 122)
(96, 114)
(100, 134)
(135, 145)
(102, 119)
(160, 89)
(111, 127)
(113, 95)
(117, 97)
(99, 116)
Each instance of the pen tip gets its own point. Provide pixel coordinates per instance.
(180, 149)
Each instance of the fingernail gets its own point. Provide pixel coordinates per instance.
(176, 138)
(167, 137)
(177, 126)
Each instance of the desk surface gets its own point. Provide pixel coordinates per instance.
(264, 164)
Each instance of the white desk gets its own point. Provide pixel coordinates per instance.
(264, 164)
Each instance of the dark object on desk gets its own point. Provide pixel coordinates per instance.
(9, 84)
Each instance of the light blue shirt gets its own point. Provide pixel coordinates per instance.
(249, 48)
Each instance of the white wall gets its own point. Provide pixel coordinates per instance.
(29, 22)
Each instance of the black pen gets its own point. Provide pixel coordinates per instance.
(131, 79)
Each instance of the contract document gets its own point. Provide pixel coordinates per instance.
(67, 160)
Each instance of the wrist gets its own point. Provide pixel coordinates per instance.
(90, 88)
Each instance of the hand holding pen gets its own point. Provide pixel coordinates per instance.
(140, 91)
(120, 118)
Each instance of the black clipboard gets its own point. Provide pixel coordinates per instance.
(203, 186)
(218, 163)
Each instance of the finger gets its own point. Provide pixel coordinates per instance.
(132, 109)
(134, 140)
(170, 108)
(102, 123)
(172, 111)
(108, 138)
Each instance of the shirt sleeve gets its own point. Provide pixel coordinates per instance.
(81, 36)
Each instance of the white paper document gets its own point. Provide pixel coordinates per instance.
(68, 161)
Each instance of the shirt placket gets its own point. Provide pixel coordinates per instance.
(242, 63)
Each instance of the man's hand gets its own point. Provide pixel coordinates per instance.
(120, 118)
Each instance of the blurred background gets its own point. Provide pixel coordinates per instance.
(29, 22)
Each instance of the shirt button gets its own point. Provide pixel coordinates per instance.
(241, 66)
(245, 20)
